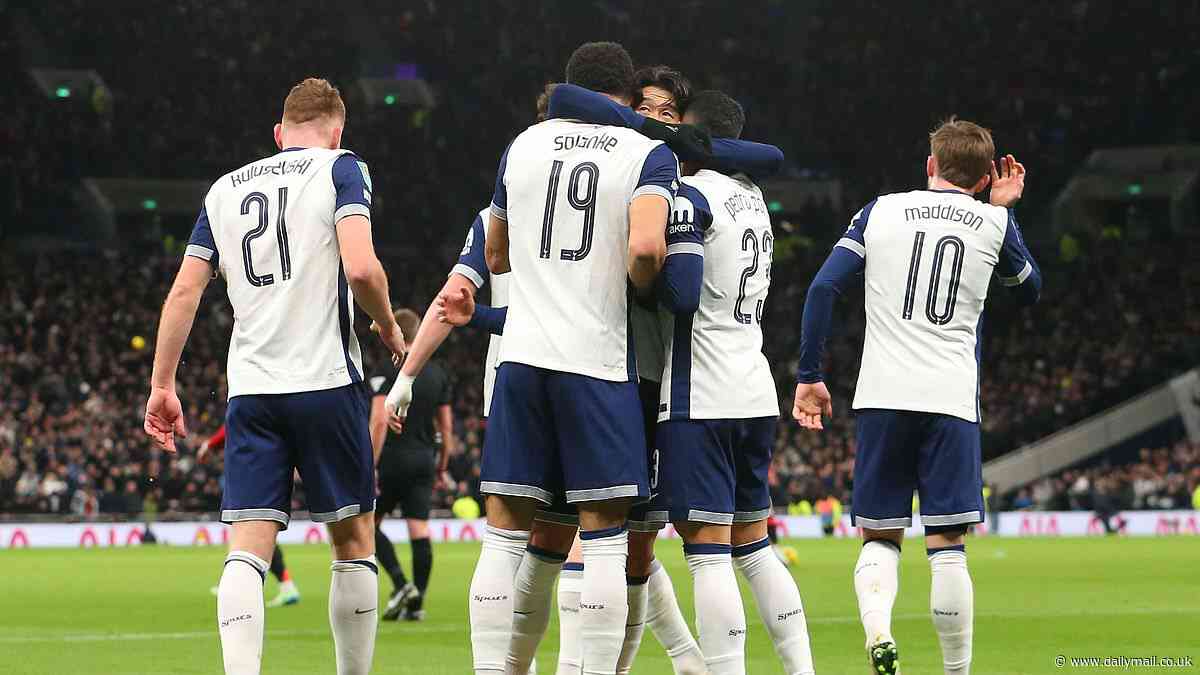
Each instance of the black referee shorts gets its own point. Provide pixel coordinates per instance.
(406, 480)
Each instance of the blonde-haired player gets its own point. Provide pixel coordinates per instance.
(291, 234)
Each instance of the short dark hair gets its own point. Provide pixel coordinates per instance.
(717, 113)
(601, 66)
(666, 78)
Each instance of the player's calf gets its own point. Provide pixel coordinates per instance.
(951, 596)
(776, 594)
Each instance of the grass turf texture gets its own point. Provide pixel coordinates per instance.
(148, 610)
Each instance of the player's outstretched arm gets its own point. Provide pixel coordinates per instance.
(570, 101)
(759, 160)
(164, 413)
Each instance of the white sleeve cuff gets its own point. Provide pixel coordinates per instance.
(1020, 278)
(651, 189)
(686, 247)
(352, 210)
(468, 272)
(499, 212)
(853, 246)
(198, 251)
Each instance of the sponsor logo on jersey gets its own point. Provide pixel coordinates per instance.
(470, 242)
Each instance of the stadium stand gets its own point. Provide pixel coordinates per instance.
(1119, 315)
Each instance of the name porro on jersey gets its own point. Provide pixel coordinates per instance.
(283, 167)
(740, 202)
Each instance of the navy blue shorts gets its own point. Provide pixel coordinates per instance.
(552, 433)
(715, 471)
(323, 434)
(900, 451)
(639, 514)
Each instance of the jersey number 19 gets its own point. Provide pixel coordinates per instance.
(586, 174)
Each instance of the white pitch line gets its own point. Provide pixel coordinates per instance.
(212, 634)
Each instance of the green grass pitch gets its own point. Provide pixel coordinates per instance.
(148, 610)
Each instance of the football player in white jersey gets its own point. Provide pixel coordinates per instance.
(714, 441)
(578, 214)
(926, 258)
(291, 234)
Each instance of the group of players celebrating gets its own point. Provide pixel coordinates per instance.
(629, 256)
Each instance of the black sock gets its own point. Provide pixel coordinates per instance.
(422, 561)
(277, 566)
(386, 554)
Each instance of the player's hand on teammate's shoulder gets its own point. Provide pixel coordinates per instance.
(812, 400)
(455, 309)
(690, 143)
(1008, 183)
(164, 418)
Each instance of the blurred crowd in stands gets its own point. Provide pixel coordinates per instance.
(1120, 310)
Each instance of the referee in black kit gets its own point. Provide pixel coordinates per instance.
(410, 464)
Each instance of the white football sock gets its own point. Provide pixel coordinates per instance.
(533, 590)
(720, 618)
(240, 612)
(353, 613)
(491, 597)
(570, 582)
(876, 581)
(952, 603)
(635, 622)
(604, 601)
(779, 604)
(666, 621)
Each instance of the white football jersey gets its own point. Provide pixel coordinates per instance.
(564, 188)
(929, 257)
(472, 265)
(269, 228)
(715, 368)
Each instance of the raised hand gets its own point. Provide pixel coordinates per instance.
(812, 400)
(164, 418)
(1008, 183)
(455, 309)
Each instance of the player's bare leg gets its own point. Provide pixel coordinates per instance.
(720, 617)
(570, 584)
(876, 582)
(240, 610)
(491, 596)
(951, 596)
(533, 590)
(354, 593)
(776, 594)
(604, 602)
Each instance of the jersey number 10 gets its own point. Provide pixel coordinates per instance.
(285, 256)
(946, 245)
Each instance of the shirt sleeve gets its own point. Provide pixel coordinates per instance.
(569, 101)
(201, 244)
(499, 205)
(488, 318)
(842, 265)
(731, 155)
(679, 284)
(660, 174)
(352, 186)
(1016, 268)
(855, 239)
(471, 262)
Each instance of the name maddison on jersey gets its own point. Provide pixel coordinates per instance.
(283, 167)
(950, 212)
(741, 202)
(602, 141)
